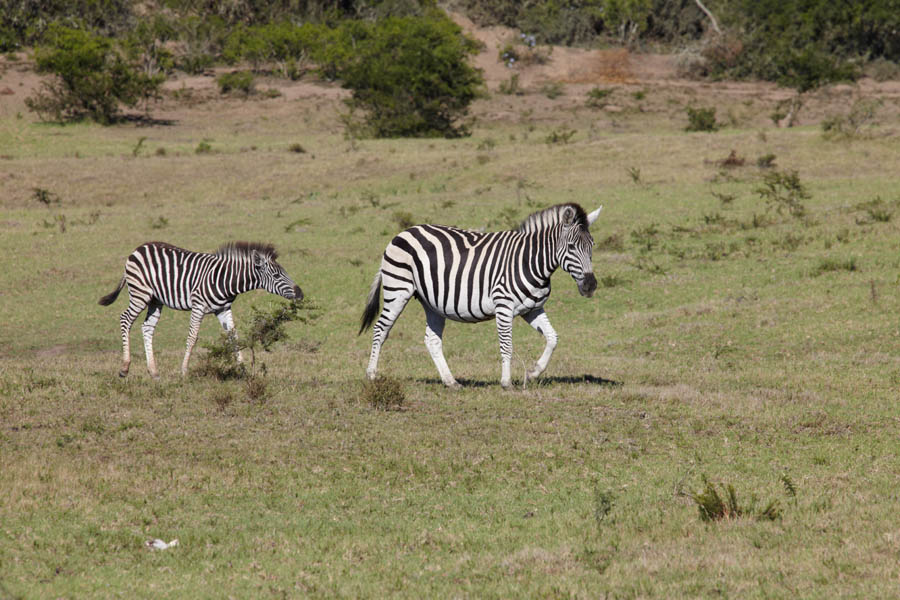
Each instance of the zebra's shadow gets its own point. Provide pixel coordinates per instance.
(540, 382)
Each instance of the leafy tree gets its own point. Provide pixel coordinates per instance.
(409, 75)
(93, 77)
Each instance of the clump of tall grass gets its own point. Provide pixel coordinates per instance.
(832, 265)
(383, 393)
(713, 506)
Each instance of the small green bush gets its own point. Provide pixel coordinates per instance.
(598, 97)
(383, 393)
(93, 77)
(561, 135)
(511, 86)
(783, 190)
(236, 81)
(701, 119)
(553, 89)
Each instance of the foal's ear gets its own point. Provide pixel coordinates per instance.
(568, 215)
(593, 216)
(258, 259)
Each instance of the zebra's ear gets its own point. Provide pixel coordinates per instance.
(258, 259)
(568, 216)
(593, 216)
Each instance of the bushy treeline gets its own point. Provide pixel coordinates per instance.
(798, 43)
(23, 22)
(405, 61)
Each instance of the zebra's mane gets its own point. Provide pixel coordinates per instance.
(551, 216)
(241, 250)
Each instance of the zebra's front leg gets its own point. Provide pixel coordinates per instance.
(504, 333)
(227, 321)
(434, 332)
(154, 309)
(196, 317)
(537, 318)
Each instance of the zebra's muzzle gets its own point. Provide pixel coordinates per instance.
(587, 285)
(298, 293)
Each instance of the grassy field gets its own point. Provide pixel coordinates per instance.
(730, 341)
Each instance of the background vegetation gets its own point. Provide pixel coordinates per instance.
(381, 49)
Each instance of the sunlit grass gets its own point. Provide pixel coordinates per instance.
(728, 342)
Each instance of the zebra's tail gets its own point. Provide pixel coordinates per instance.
(111, 297)
(372, 304)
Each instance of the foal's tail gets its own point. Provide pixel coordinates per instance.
(372, 304)
(111, 297)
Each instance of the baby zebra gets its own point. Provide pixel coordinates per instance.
(159, 274)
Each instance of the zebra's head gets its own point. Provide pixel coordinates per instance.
(575, 247)
(272, 276)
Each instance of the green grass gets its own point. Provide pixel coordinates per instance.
(716, 349)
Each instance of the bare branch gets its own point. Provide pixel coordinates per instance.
(715, 24)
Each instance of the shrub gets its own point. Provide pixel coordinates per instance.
(783, 190)
(236, 81)
(383, 393)
(409, 75)
(93, 77)
(266, 329)
(403, 219)
(553, 89)
(851, 125)
(511, 86)
(597, 97)
(701, 119)
(562, 135)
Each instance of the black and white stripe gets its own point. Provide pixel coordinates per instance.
(159, 274)
(470, 276)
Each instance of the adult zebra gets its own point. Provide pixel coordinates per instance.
(159, 274)
(470, 276)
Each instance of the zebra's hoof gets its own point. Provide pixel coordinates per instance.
(123, 374)
(505, 385)
(453, 385)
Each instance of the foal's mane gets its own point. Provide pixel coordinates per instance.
(240, 250)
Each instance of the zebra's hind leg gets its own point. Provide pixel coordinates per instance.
(197, 314)
(396, 295)
(227, 320)
(434, 332)
(538, 319)
(154, 309)
(136, 305)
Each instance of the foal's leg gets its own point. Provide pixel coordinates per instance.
(154, 309)
(227, 321)
(538, 319)
(197, 314)
(434, 332)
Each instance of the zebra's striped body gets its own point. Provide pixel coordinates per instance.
(159, 274)
(470, 276)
